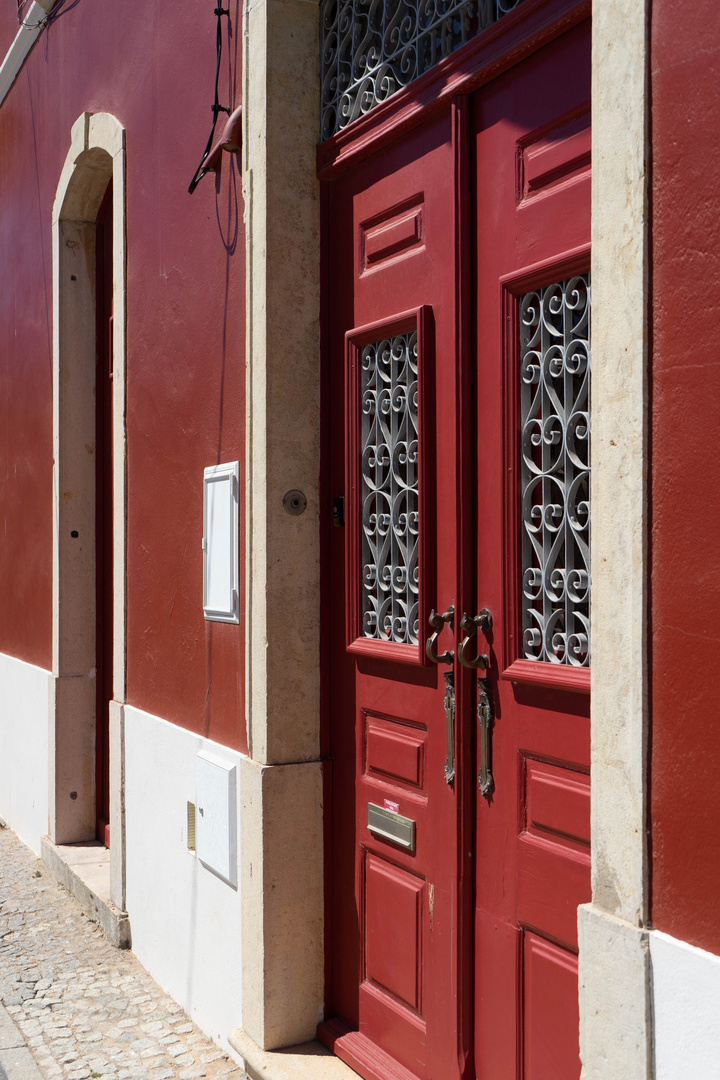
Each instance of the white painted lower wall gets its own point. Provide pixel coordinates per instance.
(24, 727)
(185, 920)
(686, 1008)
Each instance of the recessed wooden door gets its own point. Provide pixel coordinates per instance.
(460, 749)
(397, 960)
(530, 134)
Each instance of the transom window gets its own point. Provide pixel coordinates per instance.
(372, 48)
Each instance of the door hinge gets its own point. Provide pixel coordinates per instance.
(339, 511)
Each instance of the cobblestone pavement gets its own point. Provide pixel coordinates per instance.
(85, 1008)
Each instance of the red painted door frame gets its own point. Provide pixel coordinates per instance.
(364, 1048)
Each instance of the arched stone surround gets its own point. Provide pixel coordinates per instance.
(96, 155)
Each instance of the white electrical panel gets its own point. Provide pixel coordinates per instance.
(216, 817)
(220, 542)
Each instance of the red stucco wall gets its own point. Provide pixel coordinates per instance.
(9, 26)
(685, 399)
(152, 65)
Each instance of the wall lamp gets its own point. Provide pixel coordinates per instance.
(230, 141)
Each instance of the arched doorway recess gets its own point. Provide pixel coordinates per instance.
(94, 167)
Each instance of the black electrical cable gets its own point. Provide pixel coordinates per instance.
(217, 108)
(49, 17)
(54, 13)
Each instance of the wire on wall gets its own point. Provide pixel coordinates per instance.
(217, 107)
(58, 8)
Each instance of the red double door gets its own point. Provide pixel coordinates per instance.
(460, 791)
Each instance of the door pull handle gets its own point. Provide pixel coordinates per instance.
(469, 626)
(437, 622)
(485, 721)
(449, 707)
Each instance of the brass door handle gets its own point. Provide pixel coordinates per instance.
(469, 626)
(449, 707)
(485, 722)
(437, 622)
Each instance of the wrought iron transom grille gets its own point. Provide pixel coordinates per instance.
(389, 402)
(555, 472)
(372, 48)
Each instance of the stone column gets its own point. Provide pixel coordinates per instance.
(615, 1029)
(282, 839)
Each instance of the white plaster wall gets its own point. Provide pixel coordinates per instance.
(686, 1004)
(24, 703)
(185, 921)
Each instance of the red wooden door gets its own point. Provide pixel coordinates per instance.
(395, 903)
(452, 912)
(531, 148)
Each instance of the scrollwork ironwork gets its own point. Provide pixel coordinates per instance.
(555, 472)
(390, 512)
(372, 48)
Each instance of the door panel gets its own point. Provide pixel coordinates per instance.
(394, 752)
(550, 1005)
(557, 803)
(393, 947)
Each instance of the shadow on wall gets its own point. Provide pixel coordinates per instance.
(227, 215)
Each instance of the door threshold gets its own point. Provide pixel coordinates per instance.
(84, 870)
(306, 1061)
(360, 1053)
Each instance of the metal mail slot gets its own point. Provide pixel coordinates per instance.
(400, 830)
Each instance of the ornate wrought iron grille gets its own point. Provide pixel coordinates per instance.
(372, 48)
(389, 402)
(555, 472)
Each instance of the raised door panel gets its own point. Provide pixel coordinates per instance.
(550, 1005)
(394, 752)
(393, 931)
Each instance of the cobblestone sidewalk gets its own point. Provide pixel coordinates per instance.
(85, 1008)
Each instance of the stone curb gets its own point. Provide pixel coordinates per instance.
(16, 1060)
